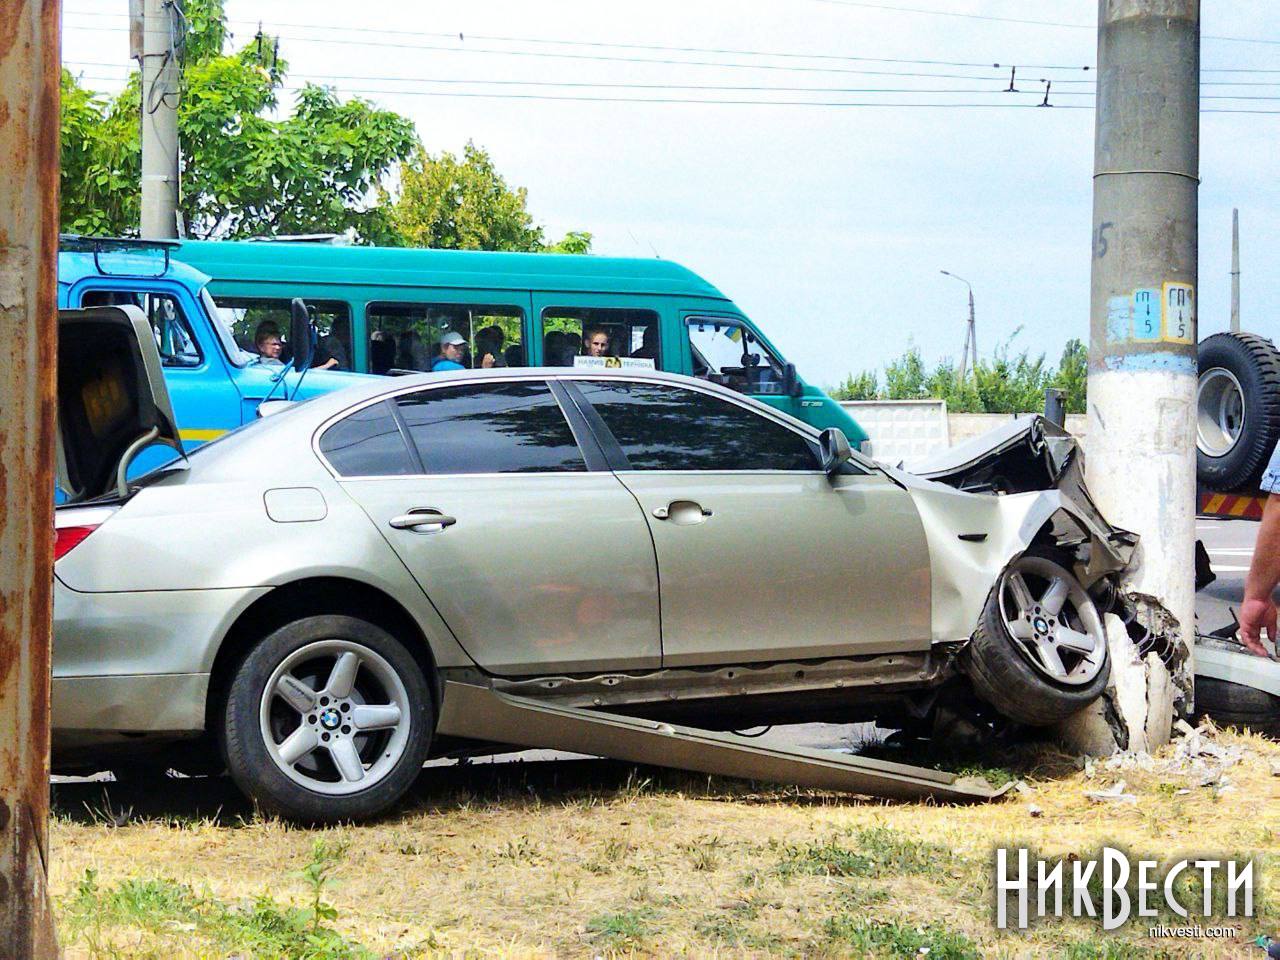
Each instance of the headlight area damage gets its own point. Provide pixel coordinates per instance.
(1043, 539)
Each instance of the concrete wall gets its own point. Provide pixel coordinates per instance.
(963, 426)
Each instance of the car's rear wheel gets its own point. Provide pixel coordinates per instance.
(328, 719)
(1039, 653)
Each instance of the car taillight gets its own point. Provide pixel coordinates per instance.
(71, 537)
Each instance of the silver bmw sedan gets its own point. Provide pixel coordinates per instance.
(297, 601)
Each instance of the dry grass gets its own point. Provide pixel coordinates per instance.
(587, 858)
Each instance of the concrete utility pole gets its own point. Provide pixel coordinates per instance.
(162, 29)
(1142, 348)
(971, 334)
(1235, 270)
(29, 126)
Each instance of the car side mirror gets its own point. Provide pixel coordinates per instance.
(835, 450)
(791, 380)
(300, 334)
(269, 407)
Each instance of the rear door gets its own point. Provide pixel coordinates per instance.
(536, 556)
(760, 556)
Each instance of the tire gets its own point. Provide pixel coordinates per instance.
(1016, 676)
(305, 757)
(1237, 410)
(1235, 705)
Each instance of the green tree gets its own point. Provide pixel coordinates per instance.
(454, 203)
(865, 386)
(243, 173)
(1003, 384)
(905, 378)
(1073, 375)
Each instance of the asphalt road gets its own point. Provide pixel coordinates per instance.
(1230, 547)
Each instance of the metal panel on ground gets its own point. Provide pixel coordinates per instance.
(485, 714)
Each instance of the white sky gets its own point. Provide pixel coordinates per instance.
(827, 225)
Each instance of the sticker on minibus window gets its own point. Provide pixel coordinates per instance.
(614, 363)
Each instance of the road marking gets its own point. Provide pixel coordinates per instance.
(1230, 551)
(1218, 569)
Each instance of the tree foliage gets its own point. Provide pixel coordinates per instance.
(243, 173)
(463, 203)
(1003, 384)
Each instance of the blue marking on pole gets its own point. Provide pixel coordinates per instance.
(1155, 361)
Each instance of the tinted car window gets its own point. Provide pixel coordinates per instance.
(661, 427)
(368, 444)
(491, 428)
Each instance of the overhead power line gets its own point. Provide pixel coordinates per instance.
(897, 8)
(637, 60)
(614, 45)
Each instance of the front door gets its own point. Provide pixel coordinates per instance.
(536, 562)
(760, 556)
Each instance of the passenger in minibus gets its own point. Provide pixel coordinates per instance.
(382, 352)
(452, 346)
(489, 341)
(595, 342)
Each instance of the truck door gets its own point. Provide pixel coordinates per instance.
(206, 402)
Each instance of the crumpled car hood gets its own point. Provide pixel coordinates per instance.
(985, 501)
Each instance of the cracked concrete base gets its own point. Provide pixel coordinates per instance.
(1136, 712)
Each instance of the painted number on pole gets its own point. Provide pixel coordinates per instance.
(1146, 314)
(1178, 313)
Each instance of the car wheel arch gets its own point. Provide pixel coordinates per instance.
(315, 596)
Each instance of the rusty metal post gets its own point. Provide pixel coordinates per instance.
(29, 127)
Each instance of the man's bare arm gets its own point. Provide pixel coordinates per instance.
(1259, 609)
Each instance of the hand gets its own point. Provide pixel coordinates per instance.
(1254, 615)
(487, 361)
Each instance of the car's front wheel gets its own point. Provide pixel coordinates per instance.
(1039, 653)
(328, 719)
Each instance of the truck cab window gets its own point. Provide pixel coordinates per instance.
(174, 336)
(726, 352)
(250, 316)
(607, 333)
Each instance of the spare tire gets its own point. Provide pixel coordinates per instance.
(1237, 410)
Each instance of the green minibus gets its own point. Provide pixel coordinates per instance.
(386, 310)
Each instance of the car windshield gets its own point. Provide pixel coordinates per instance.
(237, 355)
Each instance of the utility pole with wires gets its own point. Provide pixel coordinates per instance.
(163, 28)
(1141, 465)
(29, 125)
(1235, 270)
(971, 332)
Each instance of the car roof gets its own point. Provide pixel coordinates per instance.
(398, 266)
(285, 439)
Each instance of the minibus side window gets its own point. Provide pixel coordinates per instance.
(174, 336)
(569, 332)
(416, 336)
(726, 352)
(249, 316)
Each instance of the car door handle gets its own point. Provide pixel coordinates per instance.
(422, 520)
(682, 512)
